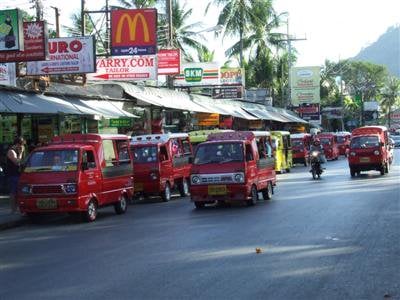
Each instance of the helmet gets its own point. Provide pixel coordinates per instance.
(316, 142)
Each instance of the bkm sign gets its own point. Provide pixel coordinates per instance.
(133, 31)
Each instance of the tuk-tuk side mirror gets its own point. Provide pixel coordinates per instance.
(84, 166)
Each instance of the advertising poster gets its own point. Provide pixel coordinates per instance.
(11, 35)
(35, 43)
(133, 31)
(198, 74)
(228, 92)
(72, 55)
(7, 74)
(132, 68)
(233, 76)
(169, 61)
(305, 85)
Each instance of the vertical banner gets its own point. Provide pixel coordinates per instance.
(133, 31)
(305, 85)
(7, 74)
(11, 31)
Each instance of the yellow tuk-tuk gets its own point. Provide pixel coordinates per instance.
(200, 136)
(283, 150)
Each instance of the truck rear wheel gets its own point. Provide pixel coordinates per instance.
(267, 193)
(90, 214)
(166, 194)
(184, 188)
(122, 205)
(254, 196)
(199, 205)
(352, 172)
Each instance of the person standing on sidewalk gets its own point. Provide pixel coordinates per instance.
(15, 155)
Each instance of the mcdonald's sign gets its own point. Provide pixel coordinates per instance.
(134, 31)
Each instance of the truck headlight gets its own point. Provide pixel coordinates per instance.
(153, 176)
(195, 179)
(70, 188)
(352, 153)
(26, 189)
(376, 152)
(239, 177)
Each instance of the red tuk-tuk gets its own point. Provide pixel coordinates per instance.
(233, 166)
(77, 173)
(161, 163)
(300, 147)
(343, 141)
(329, 142)
(369, 150)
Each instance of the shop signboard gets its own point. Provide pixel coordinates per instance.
(233, 76)
(206, 119)
(7, 74)
(67, 55)
(256, 124)
(132, 68)
(305, 85)
(133, 31)
(228, 92)
(120, 122)
(198, 74)
(11, 31)
(309, 112)
(169, 61)
(35, 43)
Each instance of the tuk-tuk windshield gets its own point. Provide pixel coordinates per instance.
(218, 153)
(341, 139)
(325, 141)
(364, 142)
(52, 161)
(144, 154)
(297, 143)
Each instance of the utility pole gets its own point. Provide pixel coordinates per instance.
(168, 6)
(39, 9)
(107, 39)
(57, 15)
(83, 18)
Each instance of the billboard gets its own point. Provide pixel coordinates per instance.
(228, 92)
(7, 74)
(198, 74)
(133, 31)
(305, 85)
(11, 35)
(71, 55)
(169, 61)
(232, 76)
(35, 43)
(132, 68)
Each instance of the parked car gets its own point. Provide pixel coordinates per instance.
(77, 173)
(161, 163)
(233, 166)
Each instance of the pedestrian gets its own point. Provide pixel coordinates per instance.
(15, 155)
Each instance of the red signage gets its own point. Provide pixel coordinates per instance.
(169, 61)
(35, 41)
(133, 31)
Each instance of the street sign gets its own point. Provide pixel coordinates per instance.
(132, 68)
(121, 122)
(228, 92)
(169, 61)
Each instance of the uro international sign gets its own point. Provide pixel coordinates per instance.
(11, 35)
(75, 55)
(133, 31)
(305, 85)
(132, 68)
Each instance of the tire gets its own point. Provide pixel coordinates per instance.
(267, 193)
(166, 194)
(314, 175)
(352, 172)
(287, 170)
(199, 205)
(254, 196)
(121, 206)
(90, 214)
(387, 168)
(382, 170)
(184, 188)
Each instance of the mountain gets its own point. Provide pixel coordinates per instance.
(385, 51)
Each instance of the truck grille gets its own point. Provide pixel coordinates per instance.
(47, 189)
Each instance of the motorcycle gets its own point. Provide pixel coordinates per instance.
(316, 169)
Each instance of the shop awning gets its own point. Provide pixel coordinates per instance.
(261, 113)
(229, 107)
(289, 115)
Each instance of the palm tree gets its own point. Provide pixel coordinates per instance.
(138, 3)
(390, 96)
(205, 55)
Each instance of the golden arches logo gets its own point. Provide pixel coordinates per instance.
(132, 23)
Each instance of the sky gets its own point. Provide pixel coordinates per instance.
(334, 29)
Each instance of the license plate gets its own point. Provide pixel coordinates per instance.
(217, 190)
(364, 159)
(138, 186)
(46, 203)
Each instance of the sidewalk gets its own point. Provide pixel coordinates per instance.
(8, 220)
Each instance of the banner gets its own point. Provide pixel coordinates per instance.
(206, 119)
(132, 68)
(11, 35)
(169, 61)
(35, 43)
(73, 55)
(7, 74)
(305, 85)
(198, 74)
(232, 76)
(133, 31)
(228, 92)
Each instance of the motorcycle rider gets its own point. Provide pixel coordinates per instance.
(316, 146)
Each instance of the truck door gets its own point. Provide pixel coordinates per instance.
(90, 180)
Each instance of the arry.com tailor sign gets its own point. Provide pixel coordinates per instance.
(132, 68)
(73, 55)
(133, 31)
(35, 42)
(305, 86)
(11, 35)
(198, 74)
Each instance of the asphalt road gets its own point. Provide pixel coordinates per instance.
(336, 238)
